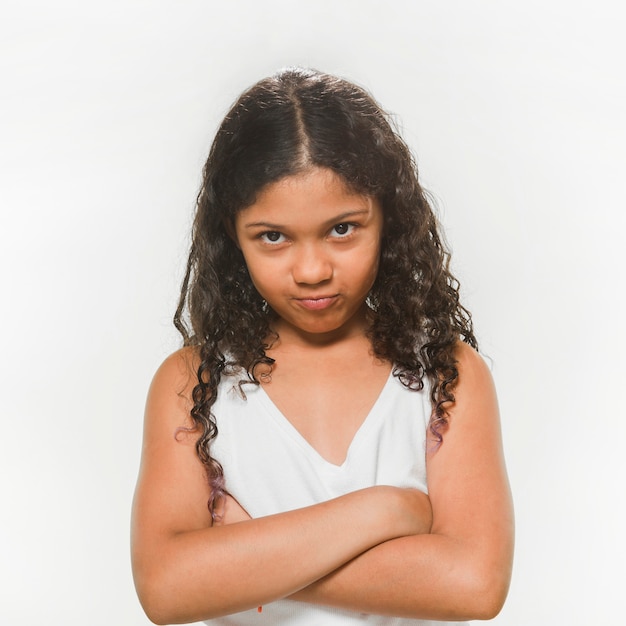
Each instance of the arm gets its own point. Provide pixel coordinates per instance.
(461, 570)
(187, 569)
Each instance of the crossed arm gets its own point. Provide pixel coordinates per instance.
(378, 550)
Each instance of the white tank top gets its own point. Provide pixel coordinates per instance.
(270, 468)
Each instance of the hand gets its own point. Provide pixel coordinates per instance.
(230, 512)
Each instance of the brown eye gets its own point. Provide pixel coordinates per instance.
(272, 236)
(343, 229)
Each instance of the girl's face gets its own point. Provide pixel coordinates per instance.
(312, 248)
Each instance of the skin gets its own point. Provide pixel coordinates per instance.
(312, 250)
(312, 247)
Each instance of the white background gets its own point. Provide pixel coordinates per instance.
(107, 110)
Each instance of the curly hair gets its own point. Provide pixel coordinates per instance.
(283, 125)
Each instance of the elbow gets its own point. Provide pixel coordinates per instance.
(486, 593)
(159, 612)
(487, 605)
(484, 576)
(155, 609)
(156, 617)
(165, 601)
(155, 597)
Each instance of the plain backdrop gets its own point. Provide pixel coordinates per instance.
(515, 111)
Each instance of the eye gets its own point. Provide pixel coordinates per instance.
(272, 237)
(342, 230)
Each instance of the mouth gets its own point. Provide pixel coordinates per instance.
(318, 303)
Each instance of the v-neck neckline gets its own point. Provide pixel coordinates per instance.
(286, 425)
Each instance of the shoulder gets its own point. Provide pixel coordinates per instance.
(172, 385)
(178, 370)
(179, 363)
(473, 417)
(475, 403)
(471, 366)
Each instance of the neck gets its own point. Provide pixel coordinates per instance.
(355, 331)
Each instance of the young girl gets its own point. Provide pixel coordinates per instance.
(326, 447)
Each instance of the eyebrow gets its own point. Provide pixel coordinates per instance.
(342, 217)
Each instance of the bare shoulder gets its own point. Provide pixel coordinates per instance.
(472, 367)
(474, 417)
(475, 401)
(177, 373)
(467, 478)
(172, 490)
(169, 396)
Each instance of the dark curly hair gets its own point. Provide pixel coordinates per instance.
(283, 125)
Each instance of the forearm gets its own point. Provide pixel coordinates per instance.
(426, 576)
(215, 571)
(462, 568)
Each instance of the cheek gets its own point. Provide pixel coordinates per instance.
(372, 264)
(371, 279)
(257, 280)
(261, 276)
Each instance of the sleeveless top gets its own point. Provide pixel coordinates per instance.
(269, 467)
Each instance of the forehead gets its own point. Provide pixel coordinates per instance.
(317, 193)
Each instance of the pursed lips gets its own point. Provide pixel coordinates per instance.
(318, 302)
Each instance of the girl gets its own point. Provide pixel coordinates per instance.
(329, 404)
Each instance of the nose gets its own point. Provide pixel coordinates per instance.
(311, 265)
